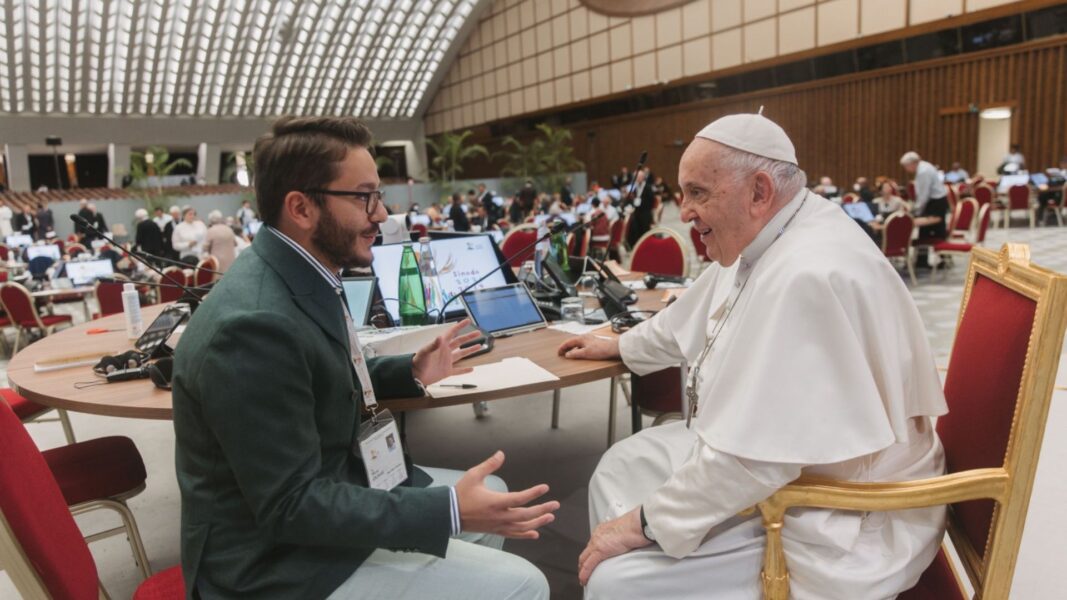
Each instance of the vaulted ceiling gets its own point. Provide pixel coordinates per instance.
(224, 58)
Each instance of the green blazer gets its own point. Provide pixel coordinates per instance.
(274, 503)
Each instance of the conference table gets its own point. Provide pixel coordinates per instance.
(71, 388)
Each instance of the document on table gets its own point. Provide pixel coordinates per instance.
(510, 372)
(575, 328)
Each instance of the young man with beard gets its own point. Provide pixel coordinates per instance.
(269, 387)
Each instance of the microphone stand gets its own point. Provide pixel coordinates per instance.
(177, 263)
(507, 262)
(189, 297)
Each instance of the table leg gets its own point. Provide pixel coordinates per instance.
(611, 410)
(635, 410)
(555, 409)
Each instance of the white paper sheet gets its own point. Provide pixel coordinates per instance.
(575, 328)
(510, 372)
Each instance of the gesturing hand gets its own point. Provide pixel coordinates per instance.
(435, 361)
(590, 347)
(485, 511)
(611, 538)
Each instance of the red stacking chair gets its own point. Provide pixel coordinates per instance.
(896, 240)
(20, 308)
(519, 237)
(420, 229)
(41, 548)
(74, 249)
(5, 253)
(984, 193)
(578, 243)
(963, 220)
(660, 251)
(203, 274)
(698, 244)
(1018, 199)
(948, 249)
(109, 297)
(849, 198)
(999, 384)
(618, 232)
(168, 292)
(31, 412)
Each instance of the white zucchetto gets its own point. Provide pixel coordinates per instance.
(751, 133)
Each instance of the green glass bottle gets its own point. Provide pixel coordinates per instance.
(559, 249)
(410, 294)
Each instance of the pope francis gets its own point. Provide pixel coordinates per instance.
(807, 356)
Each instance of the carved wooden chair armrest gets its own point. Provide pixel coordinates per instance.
(846, 495)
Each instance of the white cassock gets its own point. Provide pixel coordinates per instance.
(823, 369)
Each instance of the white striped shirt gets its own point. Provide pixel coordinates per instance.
(334, 279)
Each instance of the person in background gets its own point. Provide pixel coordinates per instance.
(600, 230)
(46, 222)
(621, 180)
(5, 219)
(887, 202)
(147, 235)
(188, 237)
(516, 215)
(160, 218)
(660, 188)
(457, 215)
(862, 188)
(528, 197)
(566, 193)
(643, 201)
(245, 214)
(485, 198)
(931, 197)
(957, 174)
(98, 221)
(22, 222)
(174, 216)
(1014, 157)
(826, 188)
(85, 213)
(220, 241)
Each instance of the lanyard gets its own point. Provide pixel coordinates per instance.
(359, 362)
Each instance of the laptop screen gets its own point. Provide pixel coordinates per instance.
(359, 291)
(503, 309)
(859, 210)
(49, 250)
(17, 241)
(88, 271)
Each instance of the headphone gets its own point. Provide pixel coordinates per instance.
(127, 360)
(624, 321)
(160, 372)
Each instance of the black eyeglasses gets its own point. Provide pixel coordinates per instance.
(373, 199)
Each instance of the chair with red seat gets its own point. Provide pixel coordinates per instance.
(849, 198)
(999, 384)
(74, 249)
(519, 237)
(109, 297)
(963, 222)
(896, 240)
(578, 243)
(31, 412)
(169, 289)
(20, 308)
(1018, 199)
(660, 251)
(41, 547)
(5, 252)
(204, 273)
(420, 229)
(948, 249)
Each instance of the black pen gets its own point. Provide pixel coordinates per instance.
(462, 386)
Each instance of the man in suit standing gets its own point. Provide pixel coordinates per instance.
(148, 238)
(46, 223)
(270, 382)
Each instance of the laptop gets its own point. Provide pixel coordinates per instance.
(84, 272)
(503, 311)
(859, 210)
(359, 291)
(18, 240)
(49, 250)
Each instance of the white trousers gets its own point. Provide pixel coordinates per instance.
(475, 567)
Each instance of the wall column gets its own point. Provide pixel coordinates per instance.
(17, 160)
(415, 154)
(118, 164)
(208, 162)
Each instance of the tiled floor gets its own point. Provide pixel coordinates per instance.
(566, 457)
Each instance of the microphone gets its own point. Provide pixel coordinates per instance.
(552, 229)
(178, 263)
(202, 288)
(189, 297)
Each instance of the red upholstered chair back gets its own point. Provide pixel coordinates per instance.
(170, 292)
(984, 215)
(963, 217)
(964, 190)
(62, 246)
(659, 251)
(18, 304)
(420, 229)
(953, 199)
(618, 229)
(109, 296)
(204, 270)
(503, 224)
(896, 237)
(849, 198)
(938, 582)
(578, 243)
(659, 392)
(998, 386)
(1019, 197)
(911, 191)
(698, 244)
(984, 193)
(75, 249)
(516, 239)
(4, 252)
(40, 544)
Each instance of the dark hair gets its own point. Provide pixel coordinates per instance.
(302, 153)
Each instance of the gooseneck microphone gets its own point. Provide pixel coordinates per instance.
(190, 297)
(553, 228)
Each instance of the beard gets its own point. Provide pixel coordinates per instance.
(337, 242)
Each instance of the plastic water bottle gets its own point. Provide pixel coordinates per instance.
(131, 307)
(431, 284)
(411, 297)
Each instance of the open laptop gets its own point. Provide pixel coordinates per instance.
(859, 210)
(503, 311)
(84, 272)
(49, 250)
(359, 291)
(18, 240)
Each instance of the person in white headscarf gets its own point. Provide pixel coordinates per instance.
(807, 356)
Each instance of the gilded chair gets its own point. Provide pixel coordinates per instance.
(998, 385)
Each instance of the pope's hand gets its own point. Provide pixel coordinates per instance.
(611, 538)
(503, 513)
(590, 347)
(436, 360)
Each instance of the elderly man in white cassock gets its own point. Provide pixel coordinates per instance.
(807, 356)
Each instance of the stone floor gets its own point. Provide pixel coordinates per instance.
(565, 457)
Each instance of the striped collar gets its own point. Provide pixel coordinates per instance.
(334, 279)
